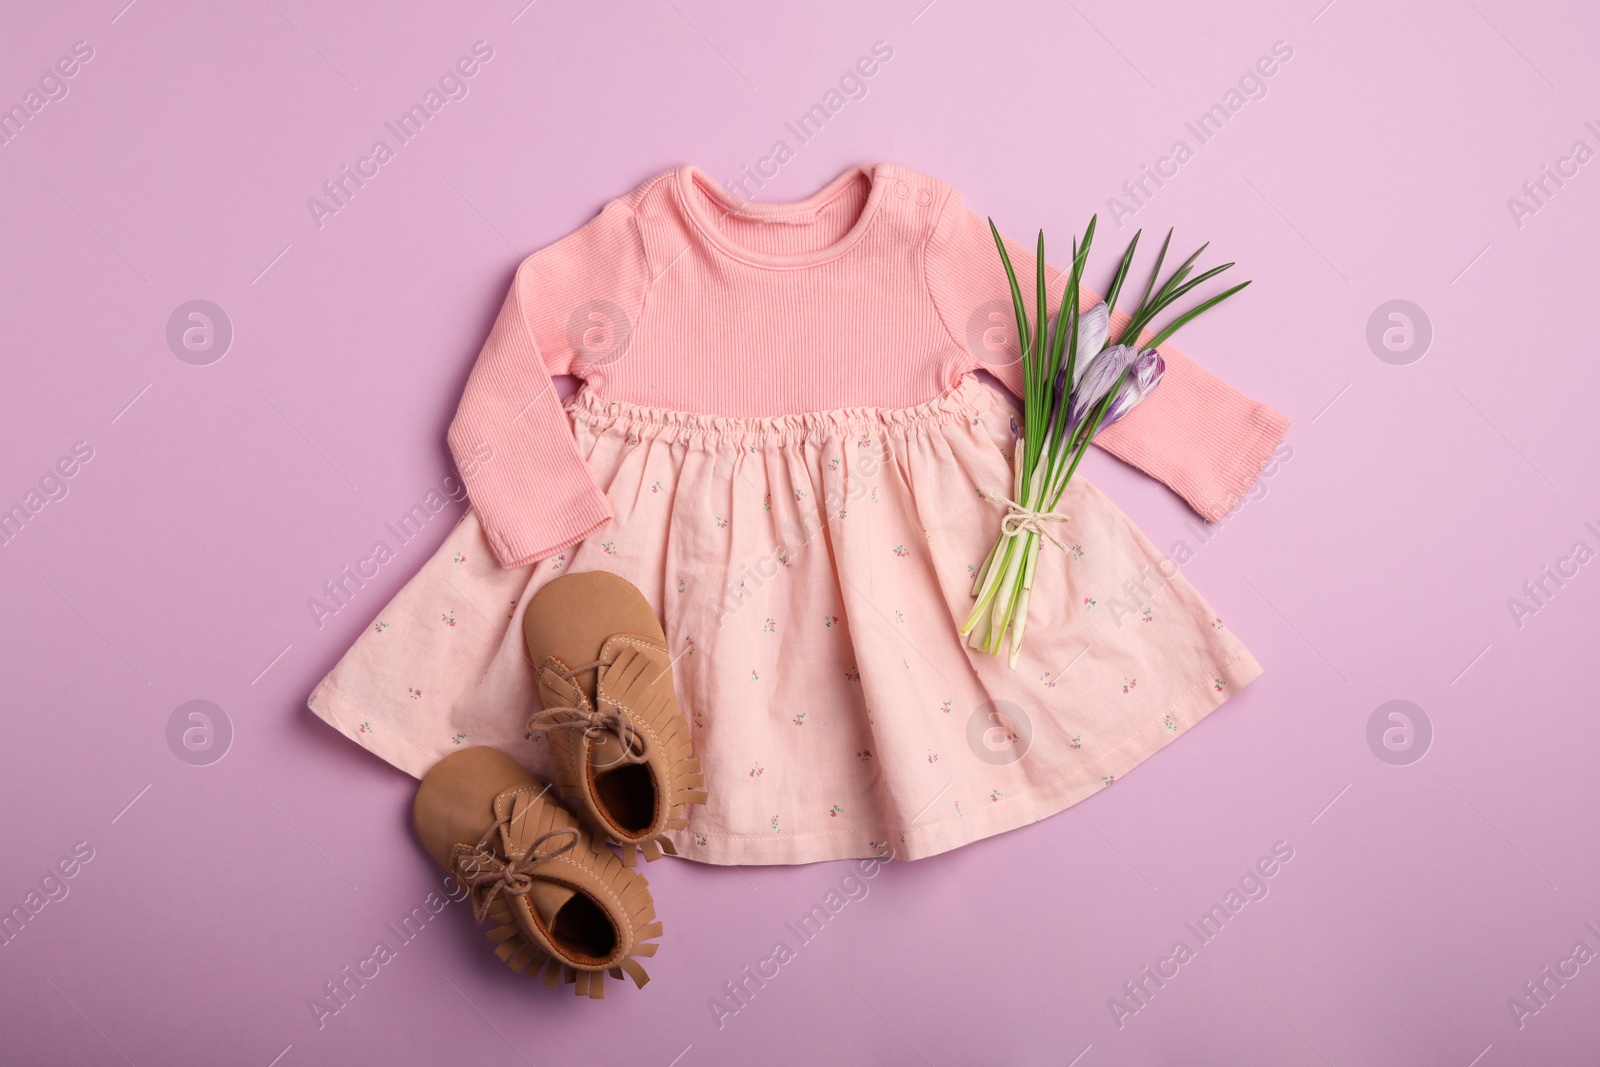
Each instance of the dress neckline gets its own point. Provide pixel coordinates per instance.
(699, 195)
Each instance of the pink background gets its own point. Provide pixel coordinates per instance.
(1377, 566)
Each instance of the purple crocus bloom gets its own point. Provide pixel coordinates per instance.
(1093, 326)
(1143, 377)
(1097, 379)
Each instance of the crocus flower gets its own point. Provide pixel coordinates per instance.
(1143, 377)
(1093, 327)
(1097, 379)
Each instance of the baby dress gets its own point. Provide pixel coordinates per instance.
(781, 441)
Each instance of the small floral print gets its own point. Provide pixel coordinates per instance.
(1012, 737)
(830, 621)
(722, 523)
(1076, 742)
(754, 677)
(1217, 684)
(689, 646)
(864, 442)
(833, 464)
(456, 739)
(835, 811)
(365, 728)
(901, 550)
(995, 794)
(1169, 722)
(531, 737)
(379, 626)
(783, 559)
(1076, 550)
(630, 438)
(766, 502)
(656, 487)
(773, 822)
(460, 558)
(559, 562)
(1216, 624)
(1128, 684)
(800, 719)
(449, 618)
(1049, 680)
(853, 675)
(1089, 602)
(682, 585)
(608, 547)
(947, 706)
(699, 838)
(699, 718)
(757, 771)
(865, 755)
(414, 694)
(874, 496)
(799, 494)
(512, 613)
(1148, 616)
(958, 807)
(933, 757)
(899, 618)
(879, 848)
(1107, 779)
(770, 626)
(972, 568)
(844, 513)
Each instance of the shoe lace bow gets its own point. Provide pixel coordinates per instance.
(486, 876)
(593, 721)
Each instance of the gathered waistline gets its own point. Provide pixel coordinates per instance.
(968, 399)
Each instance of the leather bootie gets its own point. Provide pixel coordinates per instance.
(622, 748)
(557, 902)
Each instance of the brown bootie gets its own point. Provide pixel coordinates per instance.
(621, 747)
(554, 897)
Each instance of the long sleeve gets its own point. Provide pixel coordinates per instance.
(510, 437)
(1205, 440)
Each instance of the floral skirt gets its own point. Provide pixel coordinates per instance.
(812, 573)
